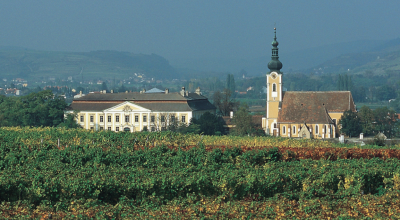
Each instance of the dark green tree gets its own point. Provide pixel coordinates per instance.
(385, 121)
(230, 83)
(70, 121)
(104, 86)
(350, 124)
(242, 121)
(224, 102)
(367, 118)
(209, 124)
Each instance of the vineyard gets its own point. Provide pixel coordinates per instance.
(68, 174)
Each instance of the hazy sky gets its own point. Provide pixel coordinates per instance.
(179, 30)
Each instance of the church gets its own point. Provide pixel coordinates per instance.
(312, 114)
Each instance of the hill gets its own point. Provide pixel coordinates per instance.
(378, 61)
(28, 64)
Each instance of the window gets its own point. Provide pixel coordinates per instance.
(101, 118)
(274, 125)
(324, 129)
(81, 118)
(153, 128)
(152, 118)
(101, 128)
(334, 121)
(274, 87)
(183, 118)
(117, 118)
(173, 118)
(294, 129)
(162, 118)
(163, 128)
(91, 118)
(136, 118)
(91, 128)
(316, 129)
(109, 128)
(126, 118)
(284, 130)
(144, 118)
(116, 128)
(109, 118)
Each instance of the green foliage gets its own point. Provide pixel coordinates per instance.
(242, 121)
(230, 84)
(224, 102)
(350, 123)
(209, 124)
(385, 121)
(36, 109)
(366, 119)
(70, 121)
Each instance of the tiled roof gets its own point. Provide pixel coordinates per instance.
(189, 105)
(313, 107)
(132, 96)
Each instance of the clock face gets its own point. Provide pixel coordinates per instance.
(273, 75)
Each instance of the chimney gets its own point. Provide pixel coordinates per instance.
(166, 91)
(126, 91)
(231, 114)
(80, 93)
(187, 93)
(198, 91)
(183, 92)
(144, 91)
(112, 91)
(104, 91)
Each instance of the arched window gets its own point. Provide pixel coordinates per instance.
(316, 129)
(284, 130)
(294, 129)
(274, 87)
(274, 125)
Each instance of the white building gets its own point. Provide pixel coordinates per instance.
(137, 111)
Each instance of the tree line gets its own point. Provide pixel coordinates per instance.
(370, 122)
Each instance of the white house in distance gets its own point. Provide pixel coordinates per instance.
(153, 110)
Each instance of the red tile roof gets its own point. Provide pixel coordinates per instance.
(313, 107)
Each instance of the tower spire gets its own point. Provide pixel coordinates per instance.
(275, 64)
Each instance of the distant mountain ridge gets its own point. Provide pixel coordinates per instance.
(304, 61)
(26, 63)
(377, 60)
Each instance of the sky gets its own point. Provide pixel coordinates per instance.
(182, 30)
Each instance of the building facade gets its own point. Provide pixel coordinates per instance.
(311, 114)
(133, 112)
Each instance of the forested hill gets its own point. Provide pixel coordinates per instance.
(380, 60)
(29, 64)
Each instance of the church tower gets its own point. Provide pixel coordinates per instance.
(274, 90)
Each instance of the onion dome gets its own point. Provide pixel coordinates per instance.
(275, 64)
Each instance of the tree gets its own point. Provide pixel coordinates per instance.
(223, 101)
(104, 86)
(350, 124)
(70, 121)
(36, 109)
(242, 121)
(385, 92)
(230, 83)
(367, 119)
(209, 124)
(385, 121)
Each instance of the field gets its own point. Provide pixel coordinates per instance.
(71, 174)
